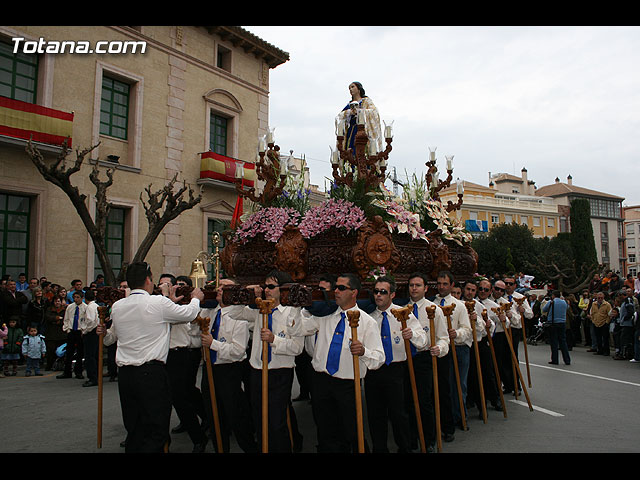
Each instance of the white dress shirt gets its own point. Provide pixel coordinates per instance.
(481, 329)
(233, 336)
(516, 317)
(284, 348)
(489, 304)
(91, 320)
(141, 325)
(67, 323)
(418, 338)
(368, 334)
(185, 335)
(439, 323)
(459, 319)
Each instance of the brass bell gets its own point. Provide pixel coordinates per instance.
(198, 274)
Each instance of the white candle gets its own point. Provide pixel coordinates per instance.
(239, 170)
(341, 128)
(432, 153)
(460, 188)
(449, 162)
(262, 144)
(283, 166)
(270, 136)
(387, 130)
(334, 156)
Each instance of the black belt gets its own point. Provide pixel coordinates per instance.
(175, 349)
(150, 362)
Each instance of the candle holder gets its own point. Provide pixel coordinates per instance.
(271, 172)
(361, 164)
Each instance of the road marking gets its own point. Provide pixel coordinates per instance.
(539, 409)
(587, 375)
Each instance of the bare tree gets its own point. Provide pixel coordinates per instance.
(161, 206)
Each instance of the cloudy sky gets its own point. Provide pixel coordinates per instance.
(557, 100)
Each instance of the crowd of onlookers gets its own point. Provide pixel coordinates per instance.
(603, 316)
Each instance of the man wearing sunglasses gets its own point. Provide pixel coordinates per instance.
(141, 325)
(283, 349)
(501, 346)
(332, 362)
(423, 363)
(385, 387)
(483, 329)
(519, 313)
(461, 336)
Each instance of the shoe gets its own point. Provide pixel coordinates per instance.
(448, 437)
(592, 350)
(618, 357)
(553, 363)
(113, 379)
(301, 397)
(497, 406)
(79, 376)
(38, 374)
(180, 428)
(63, 375)
(200, 447)
(431, 449)
(598, 353)
(89, 383)
(633, 360)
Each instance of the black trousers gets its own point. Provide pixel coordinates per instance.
(423, 369)
(384, 392)
(602, 339)
(182, 369)
(75, 349)
(445, 365)
(90, 346)
(304, 370)
(145, 400)
(487, 370)
(233, 407)
(335, 412)
(503, 358)
(279, 399)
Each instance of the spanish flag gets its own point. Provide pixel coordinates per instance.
(24, 120)
(220, 167)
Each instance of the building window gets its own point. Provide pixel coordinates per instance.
(495, 218)
(536, 221)
(223, 58)
(550, 222)
(524, 220)
(631, 244)
(114, 241)
(214, 225)
(218, 134)
(473, 216)
(633, 271)
(18, 74)
(632, 258)
(114, 108)
(14, 234)
(508, 218)
(630, 228)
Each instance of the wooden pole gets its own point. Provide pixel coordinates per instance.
(102, 314)
(431, 313)
(519, 301)
(402, 314)
(447, 310)
(204, 327)
(495, 365)
(354, 318)
(265, 307)
(471, 309)
(515, 362)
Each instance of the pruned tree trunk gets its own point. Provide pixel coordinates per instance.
(161, 207)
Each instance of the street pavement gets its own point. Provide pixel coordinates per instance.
(590, 406)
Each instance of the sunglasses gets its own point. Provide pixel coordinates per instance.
(499, 289)
(380, 291)
(509, 283)
(483, 289)
(342, 288)
(270, 286)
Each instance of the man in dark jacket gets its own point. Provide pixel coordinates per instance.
(11, 302)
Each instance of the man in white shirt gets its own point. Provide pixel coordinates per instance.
(385, 386)
(90, 339)
(483, 330)
(500, 343)
(423, 362)
(332, 362)
(460, 335)
(282, 351)
(141, 325)
(74, 316)
(227, 341)
(518, 314)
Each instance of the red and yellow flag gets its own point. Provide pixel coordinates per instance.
(220, 167)
(24, 120)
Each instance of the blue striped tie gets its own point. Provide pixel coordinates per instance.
(442, 302)
(333, 357)
(385, 332)
(76, 317)
(214, 333)
(412, 348)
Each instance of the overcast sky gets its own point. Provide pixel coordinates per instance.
(557, 100)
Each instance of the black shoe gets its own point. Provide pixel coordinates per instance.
(301, 397)
(63, 375)
(448, 437)
(79, 376)
(89, 383)
(553, 363)
(431, 449)
(180, 428)
(200, 447)
(497, 406)
(38, 374)
(113, 379)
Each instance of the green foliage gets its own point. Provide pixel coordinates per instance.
(294, 195)
(358, 195)
(506, 249)
(582, 241)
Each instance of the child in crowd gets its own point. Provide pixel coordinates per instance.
(33, 350)
(11, 351)
(3, 335)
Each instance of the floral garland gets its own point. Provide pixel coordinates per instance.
(451, 228)
(270, 221)
(403, 220)
(338, 213)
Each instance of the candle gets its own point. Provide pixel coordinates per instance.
(334, 156)
(262, 144)
(432, 153)
(341, 128)
(449, 163)
(270, 136)
(239, 170)
(460, 188)
(387, 130)
(434, 178)
(283, 166)
(360, 116)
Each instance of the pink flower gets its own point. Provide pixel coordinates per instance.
(271, 222)
(332, 213)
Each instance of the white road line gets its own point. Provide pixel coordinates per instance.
(539, 409)
(586, 374)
